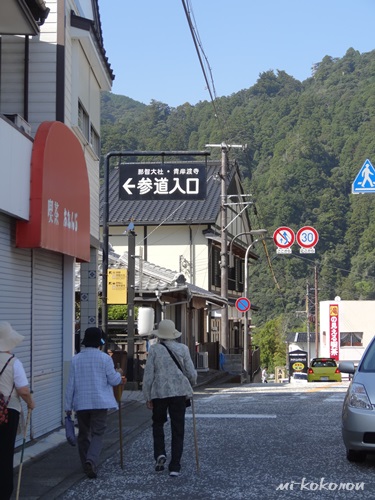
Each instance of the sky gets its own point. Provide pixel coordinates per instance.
(152, 54)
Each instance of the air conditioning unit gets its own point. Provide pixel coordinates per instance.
(19, 122)
(202, 361)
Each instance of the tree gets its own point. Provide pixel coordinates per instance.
(271, 340)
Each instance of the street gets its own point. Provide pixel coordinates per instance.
(269, 441)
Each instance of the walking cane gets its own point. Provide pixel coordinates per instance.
(23, 448)
(120, 431)
(195, 435)
(118, 393)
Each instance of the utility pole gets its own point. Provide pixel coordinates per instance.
(316, 311)
(224, 322)
(307, 324)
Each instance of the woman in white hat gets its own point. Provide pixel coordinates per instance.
(167, 383)
(13, 385)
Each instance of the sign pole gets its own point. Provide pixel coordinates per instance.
(106, 217)
(131, 285)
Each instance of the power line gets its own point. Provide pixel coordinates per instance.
(199, 50)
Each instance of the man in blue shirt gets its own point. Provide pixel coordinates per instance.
(89, 392)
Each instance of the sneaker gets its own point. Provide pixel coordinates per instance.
(160, 461)
(174, 473)
(90, 471)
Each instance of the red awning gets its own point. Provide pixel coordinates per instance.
(59, 195)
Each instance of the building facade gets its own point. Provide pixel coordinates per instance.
(346, 328)
(185, 236)
(52, 70)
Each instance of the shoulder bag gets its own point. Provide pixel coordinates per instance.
(4, 402)
(188, 402)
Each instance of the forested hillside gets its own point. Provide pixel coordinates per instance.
(306, 142)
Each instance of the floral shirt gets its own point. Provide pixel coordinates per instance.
(162, 378)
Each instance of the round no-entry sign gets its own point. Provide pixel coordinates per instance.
(243, 304)
(307, 237)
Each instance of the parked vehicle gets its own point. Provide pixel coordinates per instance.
(323, 370)
(299, 377)
(358, 412)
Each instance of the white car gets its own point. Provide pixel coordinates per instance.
(299, 377)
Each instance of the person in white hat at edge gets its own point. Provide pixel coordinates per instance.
(13, 385)
(167, 384)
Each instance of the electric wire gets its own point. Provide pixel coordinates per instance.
(199, 49)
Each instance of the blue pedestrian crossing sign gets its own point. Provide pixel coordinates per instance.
(365, 180)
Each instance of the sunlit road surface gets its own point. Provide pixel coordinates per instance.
(252, 441)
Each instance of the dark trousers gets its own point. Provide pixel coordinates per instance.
(8, 434)
(176, 408)
(91, 427)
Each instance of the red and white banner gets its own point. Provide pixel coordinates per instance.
(334, 332)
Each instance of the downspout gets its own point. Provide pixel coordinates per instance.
(26, 80)
(144, 242)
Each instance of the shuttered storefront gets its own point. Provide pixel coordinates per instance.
(47, 340)
(31, 291)
(15, 288)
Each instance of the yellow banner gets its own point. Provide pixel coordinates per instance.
(117, 286)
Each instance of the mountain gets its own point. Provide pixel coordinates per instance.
(306, 142)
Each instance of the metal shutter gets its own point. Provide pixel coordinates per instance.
(15, 290)
(31, 291)
(47, 340)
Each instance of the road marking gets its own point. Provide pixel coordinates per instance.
(321, 388)
(229, 415)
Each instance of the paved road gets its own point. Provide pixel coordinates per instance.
(260, 441)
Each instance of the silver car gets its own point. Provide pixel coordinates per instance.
(358, 413)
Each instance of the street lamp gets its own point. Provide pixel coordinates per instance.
(262, 232)
(257, 232)
(254, 232)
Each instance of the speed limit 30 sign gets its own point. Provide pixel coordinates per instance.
(307, 238)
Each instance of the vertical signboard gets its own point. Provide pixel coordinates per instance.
(117, 288)
(298, 362)
(334, 332)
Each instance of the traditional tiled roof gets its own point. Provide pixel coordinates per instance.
(95, 26)
(150, 278)
(299, 338)
(151, 212)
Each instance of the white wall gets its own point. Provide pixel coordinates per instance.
(354, 316)
(42, 77)
(165, 244)
(15, 158)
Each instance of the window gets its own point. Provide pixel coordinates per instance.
(215, 267)
(95, 141)
(240, 274)
(236, 276)
(368, 362)
(83, 121)
(351, 339)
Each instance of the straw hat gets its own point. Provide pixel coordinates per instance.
(167, 330)
(9, 338)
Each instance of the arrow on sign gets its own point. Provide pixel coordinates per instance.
(127, 185)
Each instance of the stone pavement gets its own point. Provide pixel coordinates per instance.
(51, 465)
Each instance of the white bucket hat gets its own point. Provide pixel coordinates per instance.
(167, 330)
(9, 338)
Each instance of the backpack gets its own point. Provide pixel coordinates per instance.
(4, 401)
